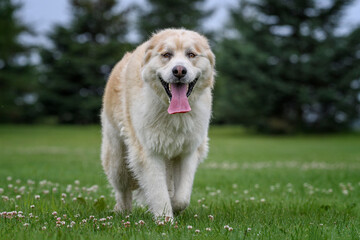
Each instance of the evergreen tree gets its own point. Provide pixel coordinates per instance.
(82, 56)
(160, 14)
(286, 68)
(17, 75)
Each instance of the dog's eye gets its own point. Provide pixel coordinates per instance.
(167, 55)
(191, 55)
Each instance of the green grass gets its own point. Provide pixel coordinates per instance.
(280, 187)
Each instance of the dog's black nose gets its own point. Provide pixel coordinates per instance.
(179, 71)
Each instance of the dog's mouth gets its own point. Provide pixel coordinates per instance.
(178, 94)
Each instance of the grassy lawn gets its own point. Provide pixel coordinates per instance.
(254, 187)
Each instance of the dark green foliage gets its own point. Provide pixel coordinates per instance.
(286, 69)
(77, 65)
(17, 75)
(160, 14)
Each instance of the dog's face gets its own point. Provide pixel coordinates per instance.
(178, 64)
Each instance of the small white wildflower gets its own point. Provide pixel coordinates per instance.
(195, 216)
(262, 200)
(26, 224)
(208, 229)
(161, 223)
(77, 182)
(252, 198)
(43, 228)
(249, 229)
(197, 230)
(226, 227)
(63, 195)
(9, 178)
(32, 206)
(1, 190)
(46, 192)
(5, 198)
(321, 224)
(163, 234)
(345, 192)
(18, 197)
(30, 182)
(54, 213)
(37, 197)
(141, 222)
(189, 227)
(237, 201)
(230, 229)
(246, 191)
(10, 186)
(211, 217)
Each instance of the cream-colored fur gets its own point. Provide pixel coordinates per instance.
(143, 146)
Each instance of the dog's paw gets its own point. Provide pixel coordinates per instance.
(179, 205)
(119, 208)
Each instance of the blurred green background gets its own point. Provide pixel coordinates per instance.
(283, 66)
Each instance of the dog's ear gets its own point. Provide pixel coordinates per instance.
(210, 55)
(148, 53)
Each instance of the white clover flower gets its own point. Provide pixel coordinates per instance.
(26, 224)
(262, 200)
(63, 195)
(189, 227)
(54, 213)
(195, 216)
(237, 201)
(226, 227)
(46, 191)
(141, 222)
(10, 186)
(211, 217)
(249, 229)
(208, 229)
(197, 230)
(9, 178)
(37, 197)
(77, 182)
(18, 197)
(32, 206)
(252, 198)
(5, 198)
(1, 190)
(43, 228)
(230, 229)
(246, 191)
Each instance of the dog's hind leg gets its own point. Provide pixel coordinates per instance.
(113, 155)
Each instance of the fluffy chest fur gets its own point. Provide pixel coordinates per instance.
(165, 134)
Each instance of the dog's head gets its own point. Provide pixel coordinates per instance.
(178, 65)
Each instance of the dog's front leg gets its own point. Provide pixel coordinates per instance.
(151, 174)
(184, 173)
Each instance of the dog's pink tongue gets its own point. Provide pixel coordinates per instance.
(179, 102)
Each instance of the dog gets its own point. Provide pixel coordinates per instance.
(155, 119)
